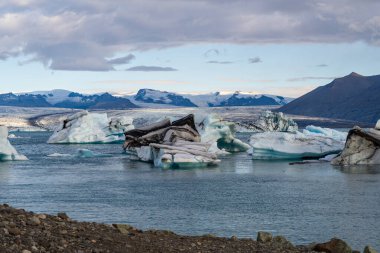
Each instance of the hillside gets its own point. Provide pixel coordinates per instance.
(353, 97)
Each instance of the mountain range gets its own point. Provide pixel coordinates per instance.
(143, 98)
(352, 97)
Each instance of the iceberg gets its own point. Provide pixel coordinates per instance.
(170, 144)
(269, 122)
(326, 132)
(362, 147)
(85, 127)
(295, 145)
(220, 135)
(7, 151)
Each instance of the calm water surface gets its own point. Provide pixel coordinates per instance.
(305, 203)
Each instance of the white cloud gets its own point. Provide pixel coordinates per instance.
(89, 32)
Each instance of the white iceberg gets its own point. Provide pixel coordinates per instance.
(7, 151)
(326, 132)
(269, 122)
(85, 127)
(362, 147)
(297, 145)
(220, 135)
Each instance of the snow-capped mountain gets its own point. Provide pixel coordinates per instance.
(240, 99)
(215, 99)
(24, 100)
(143, 98)
(162, 97)
(65, 99)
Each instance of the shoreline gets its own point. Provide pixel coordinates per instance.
(26, 232)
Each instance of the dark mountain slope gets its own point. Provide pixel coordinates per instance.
(353, 97)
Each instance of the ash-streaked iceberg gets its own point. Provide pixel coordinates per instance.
(362, 147)
(269, 122)
(85, 127)
(7, 151)
(170, 144)
(296, 145)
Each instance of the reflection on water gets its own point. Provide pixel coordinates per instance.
(359, 169)
(304, 202)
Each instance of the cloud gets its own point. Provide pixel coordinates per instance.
(255, 60)
(307, 78)
(122, 60)
(211, 53)
(87, 33)
(322, 65)
(151, 68)
(220, 62)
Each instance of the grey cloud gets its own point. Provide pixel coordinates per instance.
(211, 53)
(108, 29)
(308, 78)
(254, 60)
(220, 62)
(151, 68)
(122, 60)
(322, 65)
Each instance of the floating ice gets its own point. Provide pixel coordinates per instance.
(269, 122)
(220, 135)
(58, 155)
(85, 127)
(170, 144)
(362, 147)
(7, 151)
(327, 132)
(297, 145)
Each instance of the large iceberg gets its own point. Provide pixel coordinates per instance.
(220, 134)
(85, 127)
(269, 122)
(7, 151)
(169, 144)
(362, 147)
(313, 142)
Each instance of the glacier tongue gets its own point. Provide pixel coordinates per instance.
(7, 151)
(296, 145)
(85, 127)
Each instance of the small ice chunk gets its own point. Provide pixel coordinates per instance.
(58, 155)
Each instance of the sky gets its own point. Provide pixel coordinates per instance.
(272, 46)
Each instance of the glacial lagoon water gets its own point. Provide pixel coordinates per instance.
(305, 203)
